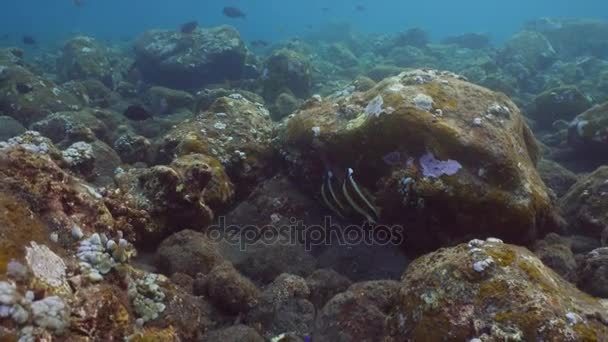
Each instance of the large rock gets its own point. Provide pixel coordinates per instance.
(358, 314)
(492, 291)
(287, 71)
(556, 252)
(579, 37)
(188, 61)
(188, 252)
(556, 177)
(529, 48)
(233, 130)
(28, 97)
(585, 205)
(593, 272)
(83, 58)
(589, 131)
(161, 200)
(284, 307)
(9, 127)
(562, 103)
(434, 152)
(266, 253)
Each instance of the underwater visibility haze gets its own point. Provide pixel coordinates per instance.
(265, 170)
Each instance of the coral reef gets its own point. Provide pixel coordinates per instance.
(317, 188)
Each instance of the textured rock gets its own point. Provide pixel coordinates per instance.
(187, 61)
(324, 284)
(585, 204)
(287, 71)
(588, 131)
(27, 97)
(555, 252)
(9, 128)
(562, 103)
(556, 177)
(235, 333)
(160, 200)
(532, 49)
(491, 291)
(84, 58)
(429, 146)
(187, 252)
(358, 314)
(593, 273)
(230, 291)
(233, 130)
(166, 101)
(283, 307)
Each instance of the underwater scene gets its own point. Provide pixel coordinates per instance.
(303, 171)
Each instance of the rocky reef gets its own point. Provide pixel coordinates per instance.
(192, 186)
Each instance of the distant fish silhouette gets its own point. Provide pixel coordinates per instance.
(137, 113)
(259, 43)
(78, 3)
(233, 12)
(29, 40)
(189, 27)
(360, 8)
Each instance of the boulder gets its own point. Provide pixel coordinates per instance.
(432, 152)
(233, 130)
(189, 61)
(585, 205)
(491, 291)
(287, 71)
(562, 103)
(83, 58)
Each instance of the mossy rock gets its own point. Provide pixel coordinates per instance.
(585, 204)
(515, 298)
(17, 228)
(84, 58)
(496, 191)
(589, 131)
(562, 103)
(287, 71)
(28, 97)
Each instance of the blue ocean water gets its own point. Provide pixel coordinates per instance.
(273, 20)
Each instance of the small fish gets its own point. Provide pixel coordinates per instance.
(78, 3)
(189, 27)
(358, 200)
(137, 113)
(325, 9)
(233, 12)
(346, 199)
(259, 43)
(29, 40)
(360, 8)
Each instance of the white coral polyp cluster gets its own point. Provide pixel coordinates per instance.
(50, 313)
(31, 141)
(98, 255)
(147, 297)
(481, 260)
(78, 153)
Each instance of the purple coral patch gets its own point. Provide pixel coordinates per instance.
(434, 168)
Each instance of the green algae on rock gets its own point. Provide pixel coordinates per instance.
(383, 134)
(447, 295)
(585, 205)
